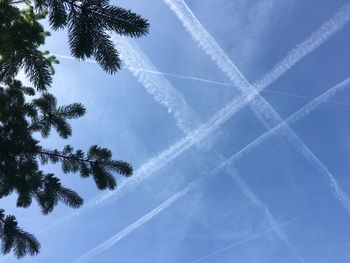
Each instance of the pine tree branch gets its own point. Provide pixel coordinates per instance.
(36, 123)
(62, 155)
(96, 158)
(72, 3)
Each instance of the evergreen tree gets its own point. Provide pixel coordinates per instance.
(21, 35)
(22, 113)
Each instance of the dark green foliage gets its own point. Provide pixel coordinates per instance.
(20, 153)
(49, 115)
(97, 162)
(22, 115)
(88, 23)
(14, 238)
(20, 37)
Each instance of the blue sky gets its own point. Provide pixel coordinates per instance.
(222, 173)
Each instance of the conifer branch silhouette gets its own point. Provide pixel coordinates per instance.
(22, 115)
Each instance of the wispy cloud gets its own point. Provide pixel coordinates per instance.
(259, 105)
(235, 244)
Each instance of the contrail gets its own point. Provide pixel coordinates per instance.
(317, 38)
(192, 138)
(157, 86)
(209, 81)
(209, 45)
(238, 180)
(259, 105)
(245, 189)
(134, 56)
(158, 162)
(168, 74)
(174, 198)
(256, 202)
(248, 239)
(152, 70)
(340, 195)
(129, 229)
(169, 154)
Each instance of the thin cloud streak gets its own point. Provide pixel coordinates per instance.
(259, 105)
(209, 81)
(150, 215)
(158, 162)
(192, 138)
(134, 56)
(129, 229)
(337, 22)
(293, 220)
(307, 109)
(153, 71)
(340, 195)
(260, 205)
(157, 86)
(334, 24)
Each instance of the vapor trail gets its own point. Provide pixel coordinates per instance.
(257, 203)
(238, 180)
(168, 74)
(129, 229)
(334, 24)
(192, 138)
(209, 81)
(150, 69)
(247, 239)
(169, 154)
(162, 89)
(174, 198)
(163, 158)
(340, 195)
(259, 105)
(157, 86)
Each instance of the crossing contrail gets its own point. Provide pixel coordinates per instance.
(259, 105)
(334, 24)
(174, 198)
(340, 195)
(158, 162)
(209, 81)
(129, 229)
(243, 241)
(238, 180)
(161, 89)
(147, 217)
(157, 86)
(260, 205)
